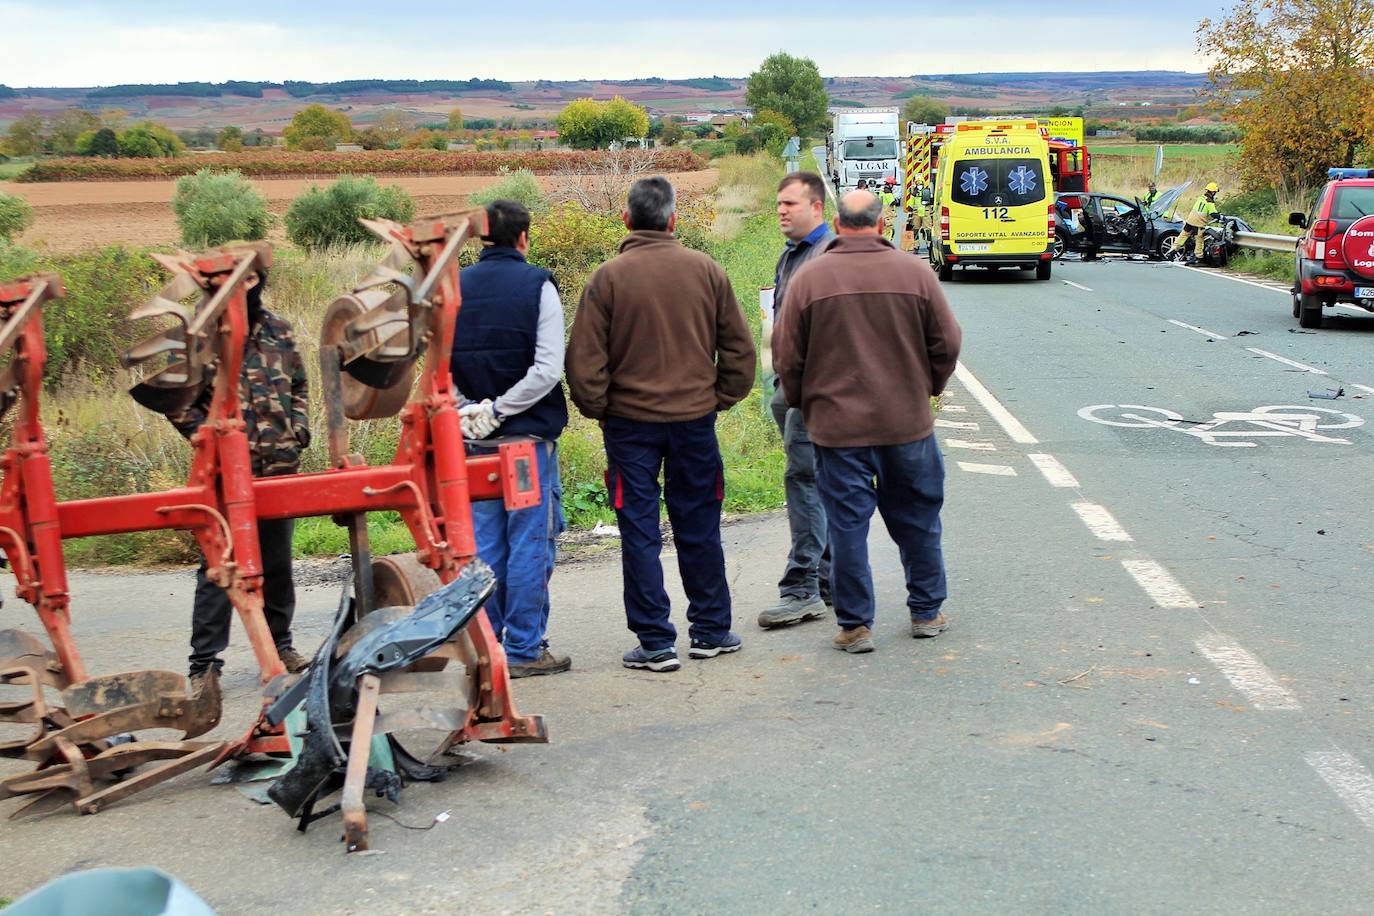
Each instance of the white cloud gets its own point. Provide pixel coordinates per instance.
(46, 47)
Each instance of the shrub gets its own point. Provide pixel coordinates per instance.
(572, 242)
(520, 185)
(316, 127)
(217, 207)
(322, 217)
(15, 216)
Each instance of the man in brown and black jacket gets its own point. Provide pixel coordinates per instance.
(864, 339)
(658, 346)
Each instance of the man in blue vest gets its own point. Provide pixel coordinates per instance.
(507, 360)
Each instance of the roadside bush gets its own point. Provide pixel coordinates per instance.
(572, 242)
(88, 327)
(15, 216)
(520, 185)
(322, 217)
(149, 141)
(217, 207)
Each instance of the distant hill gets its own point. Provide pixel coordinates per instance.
(270, 105)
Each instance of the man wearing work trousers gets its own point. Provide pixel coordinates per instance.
(659, 345)
(865, 340)
(804, 590)
(507, 359)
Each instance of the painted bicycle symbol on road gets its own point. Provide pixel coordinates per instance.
(1232, 429)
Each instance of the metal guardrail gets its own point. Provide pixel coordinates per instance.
(1265, 242)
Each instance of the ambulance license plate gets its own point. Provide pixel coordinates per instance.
(973, 249)
(1364, 292)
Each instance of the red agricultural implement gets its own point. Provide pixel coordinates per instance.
(371, 348)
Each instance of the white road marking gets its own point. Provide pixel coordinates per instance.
(1193, 327)
(956, 424)
(1286, 361)
(1354, 308)
(1078, 286)
(1013, 427)
(1365, 388)
(1246, 673)
(1226, 276)
(953, 408)
(1349, 779)
(999, 470)
(1160, 584)
(1100, 522)
(1054, 472)
(972, 446)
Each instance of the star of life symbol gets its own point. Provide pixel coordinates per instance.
(974, 181)
(1022, 180)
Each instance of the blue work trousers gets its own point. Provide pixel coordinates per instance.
(688, 455)
(906, 484)
(521, 547)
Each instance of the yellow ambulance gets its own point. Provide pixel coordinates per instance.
(993, 199)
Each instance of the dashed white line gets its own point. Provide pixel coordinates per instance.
(1100, 522)
(1054, 472)
(1010, 424)
(1160, 584)
(953, 408)
(1349, 779)
(1286, 361)
(956, 424)
(999, 470)
(1193, 327)
(1246, 673)
(1078, 286)
(971, 446)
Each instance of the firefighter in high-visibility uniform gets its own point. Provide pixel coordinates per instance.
(888, 195)
(1203, 212)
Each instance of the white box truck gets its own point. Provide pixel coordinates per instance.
(864, 143)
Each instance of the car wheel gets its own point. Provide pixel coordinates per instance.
(1042, 270)
(1310, 311)
(1061, 245)
(1164, 248)
(1297, 305)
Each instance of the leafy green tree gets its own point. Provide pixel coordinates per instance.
(791, 86)
(924, 109)
(370, 138)
(672, 134)
(66, 127)
(316, 127)
(579, 124)
(772, 130)
(102, 142)
(139, 142)
(623, 119)
(394, 124)
(230, 139)
(455, 120)
(25, 135)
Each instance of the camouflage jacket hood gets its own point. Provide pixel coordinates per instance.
(272, 399)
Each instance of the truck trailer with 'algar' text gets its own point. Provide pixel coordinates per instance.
(864, 144)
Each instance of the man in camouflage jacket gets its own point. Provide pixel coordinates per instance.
(272, 399)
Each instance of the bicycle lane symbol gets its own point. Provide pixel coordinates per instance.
(1232, 429)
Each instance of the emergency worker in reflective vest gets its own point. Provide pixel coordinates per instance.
(1203, 212)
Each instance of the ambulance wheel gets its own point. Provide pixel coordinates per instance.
(946, 271)
(1042, 270)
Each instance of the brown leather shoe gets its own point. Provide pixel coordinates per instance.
(857, 640)
(295, 662)
(546, 663)
(925, 629)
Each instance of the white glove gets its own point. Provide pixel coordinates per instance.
(479, 419)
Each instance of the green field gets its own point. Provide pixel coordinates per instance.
(12, 167)
(1171, 150)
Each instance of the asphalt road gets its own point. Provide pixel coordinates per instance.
(1155, 695)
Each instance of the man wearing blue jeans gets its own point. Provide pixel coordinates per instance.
(507, 359)
(659, 345)
(865, 340)
(804, 590)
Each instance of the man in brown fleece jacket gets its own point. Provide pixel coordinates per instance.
(659, 344)
(864, 339)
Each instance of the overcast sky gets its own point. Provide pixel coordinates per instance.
(57, 43)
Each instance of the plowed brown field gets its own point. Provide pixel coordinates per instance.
(69, 216)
